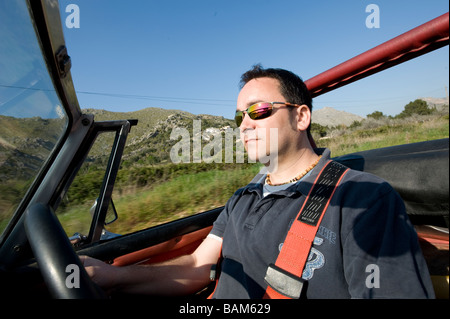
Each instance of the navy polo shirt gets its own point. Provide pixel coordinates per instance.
(365, 247)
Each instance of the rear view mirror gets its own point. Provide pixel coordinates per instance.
(111, 214)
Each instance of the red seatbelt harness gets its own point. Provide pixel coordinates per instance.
(284, 278)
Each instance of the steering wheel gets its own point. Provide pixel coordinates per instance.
(53, 253)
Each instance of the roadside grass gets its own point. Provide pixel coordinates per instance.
(386, 135)
(179, 197)
(76, 219)
(183, 196)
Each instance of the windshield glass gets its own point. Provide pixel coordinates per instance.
(32, 119)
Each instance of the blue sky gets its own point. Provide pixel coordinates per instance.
(189, 55)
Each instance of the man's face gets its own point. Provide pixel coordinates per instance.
(267, 138)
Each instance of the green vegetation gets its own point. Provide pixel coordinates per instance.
(418, 107)
(168, 197)
(372, 134)
(150, 190)
(182, 196)
(193, 192)
(25, 144)
(416, 123)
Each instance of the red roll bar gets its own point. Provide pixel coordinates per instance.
(420, 40)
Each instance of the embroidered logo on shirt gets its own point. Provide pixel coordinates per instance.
(315, 261)
(327, 234)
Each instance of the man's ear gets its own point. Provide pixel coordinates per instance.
(303, 117)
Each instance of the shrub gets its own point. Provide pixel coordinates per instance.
(376, 115)
(319, 129)
(418, 106)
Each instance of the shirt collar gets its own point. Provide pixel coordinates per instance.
(303, 186)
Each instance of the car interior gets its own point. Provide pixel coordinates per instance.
(34, 247)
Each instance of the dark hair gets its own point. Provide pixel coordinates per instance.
(292, 86)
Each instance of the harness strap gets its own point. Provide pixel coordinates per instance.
(284, 278)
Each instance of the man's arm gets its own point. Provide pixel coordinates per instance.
(181, 276)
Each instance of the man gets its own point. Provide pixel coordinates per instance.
(365, 246)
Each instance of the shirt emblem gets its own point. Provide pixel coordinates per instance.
(315, 261)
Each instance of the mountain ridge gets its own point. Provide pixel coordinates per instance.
(327, 116)
(150, 141)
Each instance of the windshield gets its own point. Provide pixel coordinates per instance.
(32, 119)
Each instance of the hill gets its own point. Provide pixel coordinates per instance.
(441, 104)
(24, 145)
(150, 141)
(330, 117)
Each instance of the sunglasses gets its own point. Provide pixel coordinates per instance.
(259, 111)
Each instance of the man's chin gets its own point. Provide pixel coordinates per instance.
(269, 161)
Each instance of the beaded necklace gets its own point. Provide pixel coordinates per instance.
(268, 182)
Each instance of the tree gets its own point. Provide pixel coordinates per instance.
(319, 129)
(418, 106)
(376, 115)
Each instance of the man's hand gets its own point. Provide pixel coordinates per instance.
(180, 276)
(101, 273)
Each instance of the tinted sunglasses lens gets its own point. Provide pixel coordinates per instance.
(238, 117)
(256, 111)
(260, 111)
